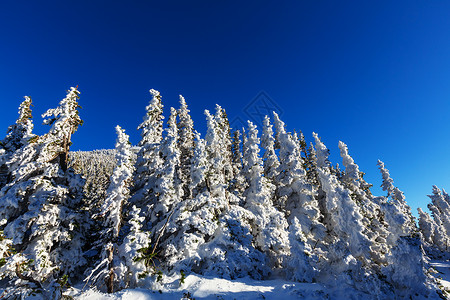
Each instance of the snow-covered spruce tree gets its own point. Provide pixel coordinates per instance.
(352, 177)
(270, 226)
(406, 267)
(199, 168)
(41, 208)
(168, 189)
(397, 212)
(238, 183)
(270, 158)
(109, 271)
(148, 160)
(348, 247)
(428, 228)
(215, 180)
(186, 145)
(296, 194)
(17, 137)
(223, 131)
(440, 210)
(206, 234)
(65, 121)
(375, 227)
(311, 165)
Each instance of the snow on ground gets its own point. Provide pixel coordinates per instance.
(443, 273)
(208, 288)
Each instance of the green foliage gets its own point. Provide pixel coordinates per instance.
(183, 277)
(63, 281)
(159, 275)
(146, 255)
(142, 275)
(34, 139)
(187, 296)
(2, 262)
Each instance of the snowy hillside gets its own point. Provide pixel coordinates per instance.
(254, 213)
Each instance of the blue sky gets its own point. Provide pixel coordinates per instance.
(374, 74)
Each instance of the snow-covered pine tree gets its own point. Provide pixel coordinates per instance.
(440, 210)
(65, 121)
(216, 180)
(427, 227)
(238, 183)
(209, 234)
(348, 247)
(108, 271)
(199, 167)
(375, 228)
(168, 189)
(45, 224)
(397, 212)
(311, 171)
(270, 158)
(224, 134)
(186, 145)
(270, 226)
(148, 160)
(302, 263)
(296, 194)
(17, 137)
(406, 268)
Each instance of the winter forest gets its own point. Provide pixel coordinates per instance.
(258, 203)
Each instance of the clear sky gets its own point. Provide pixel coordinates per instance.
(374, 74)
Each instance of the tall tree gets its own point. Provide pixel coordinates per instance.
(107, 272)
(148, 159)
(270, 225)
(186, 144)
(298, 195)
(270, 158)
(65, 120)
(397, 211)
(41, 211)
(168, 187)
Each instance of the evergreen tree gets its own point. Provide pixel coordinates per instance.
(65, 121)
(298, 196)
(41, 208)
(427, 226)
(216, 180)
(17, 137)
(375, 228)
(343, 218)
(199, 168)
(270, 227)
(270, 158)
(440, 210)
(148, 159)
(397, 211)
(224, 135)
(186, 145)
(167, 188)
(238, 184)
(107, 272)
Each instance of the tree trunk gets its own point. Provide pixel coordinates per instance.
(110, 278)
